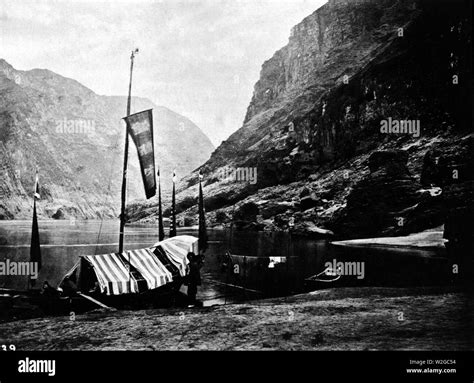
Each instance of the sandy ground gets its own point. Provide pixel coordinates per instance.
(335, 319)
(425, 239)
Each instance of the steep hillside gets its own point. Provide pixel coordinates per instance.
(314, 129)
(75, 138)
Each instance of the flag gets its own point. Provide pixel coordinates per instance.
(35, 248)
(140, 128)
(202, 219)
(173, 209)
(161, 230)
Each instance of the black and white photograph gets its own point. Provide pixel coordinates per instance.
(236, 175)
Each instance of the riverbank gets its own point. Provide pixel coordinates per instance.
(335, 319)
(428, 239)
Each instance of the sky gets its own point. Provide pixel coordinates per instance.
(200, 58)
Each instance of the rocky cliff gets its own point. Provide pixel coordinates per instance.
(75, 138)
(344, 120)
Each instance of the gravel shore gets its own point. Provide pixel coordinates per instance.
(335, 319)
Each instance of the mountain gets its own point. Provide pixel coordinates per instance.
(323, 133)
(75, 138)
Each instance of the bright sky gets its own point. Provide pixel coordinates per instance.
(200, 58)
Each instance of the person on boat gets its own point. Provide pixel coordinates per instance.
(95, 289)
(48, 295)
(69, 287)
(194, 277)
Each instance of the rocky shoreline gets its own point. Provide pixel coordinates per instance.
(386, 193)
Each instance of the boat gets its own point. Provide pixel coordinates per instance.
(275, 274)
(260, 263)
(323, 279)
(264, 274)
(147, 277)
(135, 279)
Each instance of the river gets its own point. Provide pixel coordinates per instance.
(248, 276)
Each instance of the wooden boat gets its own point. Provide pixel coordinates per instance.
(266, 274)
(135, 278)
(275, 274)
(102, 281)
(324, 279)
(23, 304)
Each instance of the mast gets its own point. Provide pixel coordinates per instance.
(161, 230)
(173, 209)
(202, 219)
(125, 158)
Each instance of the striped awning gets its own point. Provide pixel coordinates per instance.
(113, 276)
(140, 270)
(150, 267)
(187, 243)
(177, 256)
(177, 249)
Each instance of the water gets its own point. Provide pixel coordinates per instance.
(244, 277)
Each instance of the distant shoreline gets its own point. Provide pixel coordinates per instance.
(424, 240)
(428, 239)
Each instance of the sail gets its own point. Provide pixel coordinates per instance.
(161, 229)
(173, 209)
(35, 249)
(202, 219)
(140, 128)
